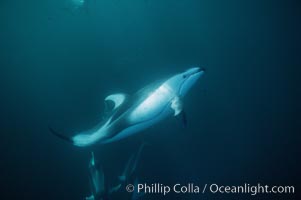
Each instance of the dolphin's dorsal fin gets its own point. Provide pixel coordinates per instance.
(117, 99)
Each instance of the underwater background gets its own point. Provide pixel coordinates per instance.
(59, 59)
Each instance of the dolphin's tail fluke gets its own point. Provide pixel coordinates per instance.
(59, 135)
(86, 138)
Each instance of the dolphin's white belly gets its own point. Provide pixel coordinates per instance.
(153, 105)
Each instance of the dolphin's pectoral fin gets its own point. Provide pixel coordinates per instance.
(117, 99)
(176, 105)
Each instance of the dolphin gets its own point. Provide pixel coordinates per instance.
(129, 173)
(131, 165)
(129, 170)
(132, 114)
(96, 177)
(137, 195)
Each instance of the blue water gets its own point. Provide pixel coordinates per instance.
(60, 59)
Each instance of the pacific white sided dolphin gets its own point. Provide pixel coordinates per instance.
(129, 175)
(96, 177)
(131, 165)
(137, 195)
(132, 114)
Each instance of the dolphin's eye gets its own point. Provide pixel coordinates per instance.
(184, 76)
